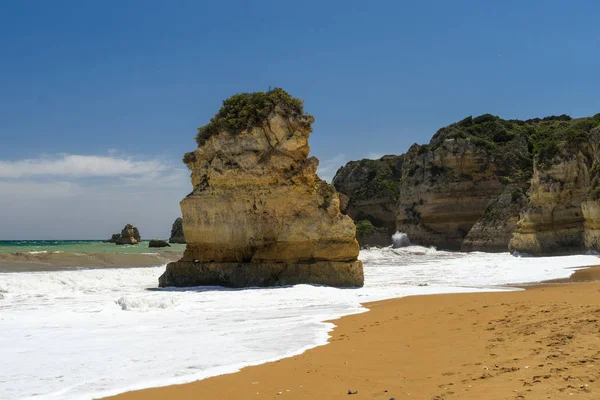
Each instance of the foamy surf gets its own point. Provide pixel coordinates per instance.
(91, 333)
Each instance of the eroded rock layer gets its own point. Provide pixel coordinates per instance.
(490, 184)
(553, 220)
(259, 215)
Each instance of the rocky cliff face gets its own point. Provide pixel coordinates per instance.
(553, 220)
(371, 191)
(485, 182)
(590, 206)
(259, 215)
(177, 235)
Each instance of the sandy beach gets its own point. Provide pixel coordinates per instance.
(540, 343)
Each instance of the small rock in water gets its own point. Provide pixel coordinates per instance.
(158, 243)
(352, 392)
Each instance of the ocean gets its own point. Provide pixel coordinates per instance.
(44, 255)
(87, 333)
(78, 246)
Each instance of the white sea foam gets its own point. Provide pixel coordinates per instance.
(90, 333)
(400, 239)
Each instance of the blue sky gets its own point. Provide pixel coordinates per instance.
(100, 100)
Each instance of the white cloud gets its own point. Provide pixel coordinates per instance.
(70, 165)
(328, 168)
(15, 191)
(87, 197)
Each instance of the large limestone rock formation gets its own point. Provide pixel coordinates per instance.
(259, 215)
(484, 183)
(553, 220)
(494, 230)
(448, 184)
(129, 235)
(177, 235)
(445, 193)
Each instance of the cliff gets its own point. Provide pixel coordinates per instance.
(259, 215)
(371, 188)
(491, 184)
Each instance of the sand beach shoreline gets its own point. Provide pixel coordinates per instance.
(543, 342)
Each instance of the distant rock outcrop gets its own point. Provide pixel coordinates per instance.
(129, 235)
(490, 184)
(113, 238)
(177, 235)
(259, 215)
(158, 243)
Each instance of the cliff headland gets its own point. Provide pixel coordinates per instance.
(486, 184)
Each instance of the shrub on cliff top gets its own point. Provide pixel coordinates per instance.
(244, 111)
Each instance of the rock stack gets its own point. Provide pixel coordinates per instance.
(258, 214)
(177, 235)
(129, 235)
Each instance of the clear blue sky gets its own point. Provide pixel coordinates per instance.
(132, 80)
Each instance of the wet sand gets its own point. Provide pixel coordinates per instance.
(52, 261)
(540, 343)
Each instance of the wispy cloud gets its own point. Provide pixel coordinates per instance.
(328, 168)
(90, 196)
(79, 166)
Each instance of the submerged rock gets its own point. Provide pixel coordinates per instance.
(129, 235)
(158, 243)
(177, 235)
(259, 215)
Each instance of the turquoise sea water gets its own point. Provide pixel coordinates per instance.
(80, 246)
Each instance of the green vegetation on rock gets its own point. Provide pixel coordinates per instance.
(189, 157)
(244, 111)
(500, 137)
(378, 178)
(364, 227)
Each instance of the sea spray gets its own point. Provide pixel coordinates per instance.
(400, 239)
